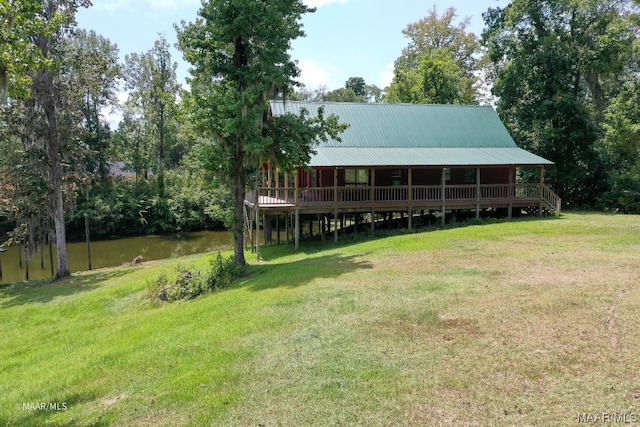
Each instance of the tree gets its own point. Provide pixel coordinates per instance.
(438, 79)
(556, 65)
(18, 25)
(621, 149)
(151, 77)
(239, 50)
(90, 66)
(47, 122)
(133, 145)
(357, 85)
(355, 90)
(342, 94)
(440, 64)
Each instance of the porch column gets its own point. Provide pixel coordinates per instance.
(510, 191)
(541, 189)
(443, 189)
(296, 229)
(372, 196)
(478, 189)
(295, 186)
(373, 199)
(258, 232)
(410, 196)
(254, 241)
(269, 178)
(335, 204)
(286, 187)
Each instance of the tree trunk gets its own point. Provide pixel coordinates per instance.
(57, 210)
(47, 98)
(238, 214)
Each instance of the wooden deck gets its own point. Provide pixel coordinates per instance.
(336, 201)
(401, 198)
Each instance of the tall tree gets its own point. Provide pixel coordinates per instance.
(151, 77)
(132, 144)
(621, 149)
(357, 85)
(46, 118)
(90, 66)
(556, 64)
(438, 79)
(440, 64)
(355, 90)
(240, 53)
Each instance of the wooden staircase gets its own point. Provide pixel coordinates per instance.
(550, 204)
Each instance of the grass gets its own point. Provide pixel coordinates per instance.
(515, 323)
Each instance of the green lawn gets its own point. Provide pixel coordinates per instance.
(530, 322)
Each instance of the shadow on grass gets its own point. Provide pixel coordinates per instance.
(303, 272)
(44, 412)
(271, 252)
(45, 290)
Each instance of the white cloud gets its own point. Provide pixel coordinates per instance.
(311, 74)
(318, 3)
(386, 77)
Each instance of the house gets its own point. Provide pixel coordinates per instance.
(120, 170)
(401, 158)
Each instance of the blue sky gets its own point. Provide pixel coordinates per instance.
(345, 38)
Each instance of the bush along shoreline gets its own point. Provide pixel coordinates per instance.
(188, 283)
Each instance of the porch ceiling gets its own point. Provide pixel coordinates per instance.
(414, 156)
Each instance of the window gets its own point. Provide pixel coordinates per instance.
(356, 177)
(396, 177)
(470, 176)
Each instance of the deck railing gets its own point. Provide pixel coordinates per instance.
(359, 195)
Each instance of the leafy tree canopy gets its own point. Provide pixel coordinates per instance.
(240, 54)
(556, 66)
(440, 63)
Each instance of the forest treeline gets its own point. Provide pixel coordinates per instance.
(562, 74)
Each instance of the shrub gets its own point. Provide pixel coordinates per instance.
(624, 193)
(155, 288)
(222, 272)
(189, 284)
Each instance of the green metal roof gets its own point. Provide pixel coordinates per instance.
(414, 135)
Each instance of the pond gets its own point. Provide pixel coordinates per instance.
(112, 253)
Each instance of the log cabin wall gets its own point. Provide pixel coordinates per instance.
(324, 177)
(497, 175)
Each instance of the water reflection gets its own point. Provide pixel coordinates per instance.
(111, 253)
